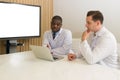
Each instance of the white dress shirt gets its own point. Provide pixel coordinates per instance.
(61, 44)
(101, 48)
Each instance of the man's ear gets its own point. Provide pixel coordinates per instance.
(98, 22)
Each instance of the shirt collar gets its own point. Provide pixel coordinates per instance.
(100, 32)
(58, 31)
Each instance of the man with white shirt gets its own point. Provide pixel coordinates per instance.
(58, 40)
(98, 45)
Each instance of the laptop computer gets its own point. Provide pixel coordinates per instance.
(44, 53)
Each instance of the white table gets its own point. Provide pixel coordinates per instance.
(25, 66)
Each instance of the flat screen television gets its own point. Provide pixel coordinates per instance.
(19, 20)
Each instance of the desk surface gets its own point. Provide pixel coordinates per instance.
(25, 66)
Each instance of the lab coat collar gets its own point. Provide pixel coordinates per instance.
(101, 31)
(58, 31)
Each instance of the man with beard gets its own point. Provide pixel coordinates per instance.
(58, 40)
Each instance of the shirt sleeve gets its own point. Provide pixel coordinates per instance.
(66, 45)
(104, 48)
(45, 40)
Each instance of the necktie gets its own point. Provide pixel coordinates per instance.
(54, 34)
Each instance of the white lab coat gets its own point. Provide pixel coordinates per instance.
(62, 42)
(100, 49)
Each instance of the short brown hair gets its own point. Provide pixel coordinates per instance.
(96, 15)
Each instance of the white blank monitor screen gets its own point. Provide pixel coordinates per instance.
(19, 20)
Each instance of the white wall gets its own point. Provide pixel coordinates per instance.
(74, 12)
